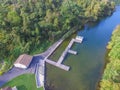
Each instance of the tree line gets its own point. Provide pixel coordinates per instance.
(30, 26)
(111, 77)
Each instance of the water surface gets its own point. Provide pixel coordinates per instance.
(87, 66)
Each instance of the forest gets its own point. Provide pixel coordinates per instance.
(31, 26)
(111, 77)
(116, 1)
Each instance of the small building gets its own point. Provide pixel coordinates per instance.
(23, 61)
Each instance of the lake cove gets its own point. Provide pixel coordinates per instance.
(87, 66)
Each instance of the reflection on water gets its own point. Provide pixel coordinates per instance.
(87, 66)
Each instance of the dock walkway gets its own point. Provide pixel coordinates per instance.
(67, 50)
(72, 52)
(61, 66)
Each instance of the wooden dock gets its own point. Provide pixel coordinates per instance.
(77, 41)
(67, 50)
(64, 67)
(72, 52)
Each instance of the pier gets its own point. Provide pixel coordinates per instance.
(72, 52)
(68, 50)
(59, 64)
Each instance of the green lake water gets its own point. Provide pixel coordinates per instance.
(87, 66)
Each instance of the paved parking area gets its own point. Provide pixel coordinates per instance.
(14, 72)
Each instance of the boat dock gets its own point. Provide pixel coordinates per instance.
(72, 52)
(68, 50)
(59, 64)
(40, 67)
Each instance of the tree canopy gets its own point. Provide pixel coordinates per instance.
(111, 76)
(29, 25)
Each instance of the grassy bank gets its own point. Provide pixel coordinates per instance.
(24, 82)
(111, 77)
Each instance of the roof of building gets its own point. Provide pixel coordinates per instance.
(7, 88)
(24, 59)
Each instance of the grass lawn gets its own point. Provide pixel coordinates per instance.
(24, 82)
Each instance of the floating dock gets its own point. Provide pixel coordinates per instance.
(68, 50)
(59, 64)
(72, 52)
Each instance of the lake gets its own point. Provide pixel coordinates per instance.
(87, 66)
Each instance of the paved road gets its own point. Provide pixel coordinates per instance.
(14, 72)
